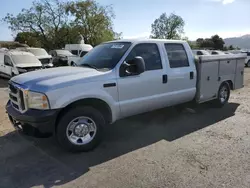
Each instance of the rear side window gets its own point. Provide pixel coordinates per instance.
(75, 52)
(83, 53)
(177, 55)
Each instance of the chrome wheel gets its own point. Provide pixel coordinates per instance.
(81, 130)
(223, 94)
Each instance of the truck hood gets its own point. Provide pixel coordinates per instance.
(54, 78)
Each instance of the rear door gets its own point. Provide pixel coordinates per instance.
(181, 71)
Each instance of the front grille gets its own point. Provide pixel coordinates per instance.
(45, 61)
(16, 97)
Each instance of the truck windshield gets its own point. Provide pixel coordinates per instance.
(105, 56)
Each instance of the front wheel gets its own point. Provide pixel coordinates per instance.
(73, 64)
(223, 95)
(80, 129)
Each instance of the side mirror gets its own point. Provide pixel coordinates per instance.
(132, 67)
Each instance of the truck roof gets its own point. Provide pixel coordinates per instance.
(150, 40)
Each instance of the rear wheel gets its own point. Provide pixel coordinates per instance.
(80, 129)
(223, 95)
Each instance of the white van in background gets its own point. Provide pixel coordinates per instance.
(13, 63)
(41, 54)
(78, 50)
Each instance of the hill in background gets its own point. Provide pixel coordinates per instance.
(242, 42)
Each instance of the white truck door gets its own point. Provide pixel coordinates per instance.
(142, 93)
(181, 71)
(8, 65)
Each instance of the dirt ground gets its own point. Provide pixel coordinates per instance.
(164, 148)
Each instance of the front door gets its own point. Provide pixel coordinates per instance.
(142, 93)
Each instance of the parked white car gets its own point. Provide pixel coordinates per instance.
(41, 54)
(13, 63)
(115, 80)
(78, 50)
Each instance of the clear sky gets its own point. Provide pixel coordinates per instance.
(203, 18)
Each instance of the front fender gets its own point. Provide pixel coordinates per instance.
(71, 96)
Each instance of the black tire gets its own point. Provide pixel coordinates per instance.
(248, 64)
(61, 130)
(219, 103)
(73, 64)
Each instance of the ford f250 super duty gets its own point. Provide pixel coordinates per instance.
(115, 80)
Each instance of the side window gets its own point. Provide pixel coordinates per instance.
(150, 53)
(74, 52)
(83, 53)
(7, 61)
(199, 53)
(177, 55)
(52, 53)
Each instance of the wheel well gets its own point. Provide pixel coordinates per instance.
(72, 63)
(230, 84)
(98, 104)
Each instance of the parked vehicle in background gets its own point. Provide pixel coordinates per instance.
(41, 54)
(248, 58)
(201, 52)
(60, 57)
(13, 63)
(115, 80)
(79, 50)
(217, 52)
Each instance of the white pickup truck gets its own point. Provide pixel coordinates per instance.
(115, 80)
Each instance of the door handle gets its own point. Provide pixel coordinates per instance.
(164, 78)
(191, 75)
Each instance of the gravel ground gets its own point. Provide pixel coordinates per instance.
(164, 148)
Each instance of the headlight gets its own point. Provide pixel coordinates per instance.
(36, 100)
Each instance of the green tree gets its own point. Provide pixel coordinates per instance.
(218, 42)
(92, 20)
(215, 42)
(168, 27)
(231, 47)
(27, 38)
(44, 19)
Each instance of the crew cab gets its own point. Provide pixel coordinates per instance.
(115, 80)
(13, 63)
